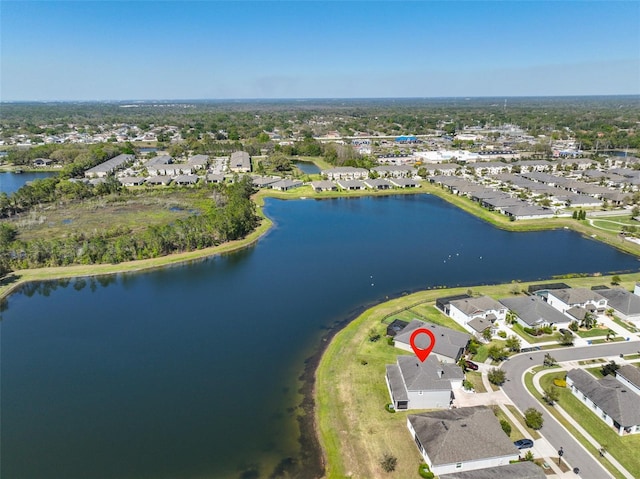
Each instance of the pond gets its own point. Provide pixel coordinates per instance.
(10, 182)
(192, 371)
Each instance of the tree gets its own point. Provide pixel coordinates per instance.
(486, 334)
(551, 395)
(610, 368)
(566, 338)
(533, 418)
(528, 456)
(511, 317)
(513, 344)
(611, 334)
(496, 353)
(615, 280)
(497, 376)
(549, 360)
(589, 321)
(388, 462)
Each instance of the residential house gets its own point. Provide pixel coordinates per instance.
(41, 162)
(323, 185)
(611, 400)
(213, 178)
(377, 184)
(351, 184)
(519, 470)
(414, 384)
(629, 376)
(240, 162)
(158, 180)
(264, 181)
(449, 345)
(398, 171)
(576, 301)
(625, 304)
(131, 181)
(534, 312)
(459, 440)
(185, 180)
(285, 185)
(346, 173)
(198, 162)
(404, 183)
(477, 314)
(156, 166)
(109, 166)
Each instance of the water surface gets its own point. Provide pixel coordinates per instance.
(191, 371)
(10, 182)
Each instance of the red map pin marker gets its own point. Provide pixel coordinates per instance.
(422, 353)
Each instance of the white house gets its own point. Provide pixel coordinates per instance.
(629, 376)
(240, 162)
(463, 439)
(571, 298)
(413, 384)
(346, 173)
(476, 314)
(610, 399)
(625, 304)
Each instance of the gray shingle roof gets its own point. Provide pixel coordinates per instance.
(622, 300)
(449, 342)
(575, 295)
(519, 470)
(479, 305)
(464, 434)
(533, 310)
(429, 375)
(398, 391)
(479, 324)
(610, 395)
(630, 373)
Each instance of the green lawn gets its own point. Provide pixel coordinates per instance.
(604, 340)
(624, 449)
(597, 372)
(592, 333)
(534, 339)
(515, 431)
(483, 351)
(625, 325)
(429, 312)
(475, 378)
(533, 434)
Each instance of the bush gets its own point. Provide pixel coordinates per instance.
(390, 341)
(573, 326)
(389, 407)
(502, 334)
(388, 462)
(497, 376)
(467, 385)
(506, 427)
(528, 456)
(547, 330)
(533, 418)
(561, 383)
(424, 471)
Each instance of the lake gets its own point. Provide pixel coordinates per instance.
(192, 371)
(307, 167)
(10, 182)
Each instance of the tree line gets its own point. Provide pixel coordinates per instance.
(230, 216)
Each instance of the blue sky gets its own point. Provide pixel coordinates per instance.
(86, 50)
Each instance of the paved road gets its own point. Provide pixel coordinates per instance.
(515, 389)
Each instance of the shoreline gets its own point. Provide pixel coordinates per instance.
(314, 456)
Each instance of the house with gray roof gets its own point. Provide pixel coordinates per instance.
(624, 303)
(629, 376)
(109, 166)
(185, 180)
(483, 309)
(404, 183)
(460, 440)
(285, 185)
(449, 346)
(534, 312)
(413, 384)
(264, 181)
(565, 299)
(377, 184)
(131, 180)
(351, 184)
(323, 185)
(240, 162)
(158, 180)
(609, 399)
(395, 171)
(198, 162)
(520, 470)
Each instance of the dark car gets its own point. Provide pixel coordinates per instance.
(523, 444)
(470, 365)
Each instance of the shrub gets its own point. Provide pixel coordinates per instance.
(561, 383)
(497, 376)
(533, 418)
(373, 335)
(506, 427)
(573, 326)
(468, 385)
(389, 407)
(502, 334)
(528, 456)
(364, 362)
(388, 462)
(424, 471)
(547, 330)
(390, 341)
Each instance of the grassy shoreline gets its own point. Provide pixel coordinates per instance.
(353, 427)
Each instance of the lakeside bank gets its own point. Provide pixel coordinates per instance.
(354, 428)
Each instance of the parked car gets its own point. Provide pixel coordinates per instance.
(470, 365)
(523, 444)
